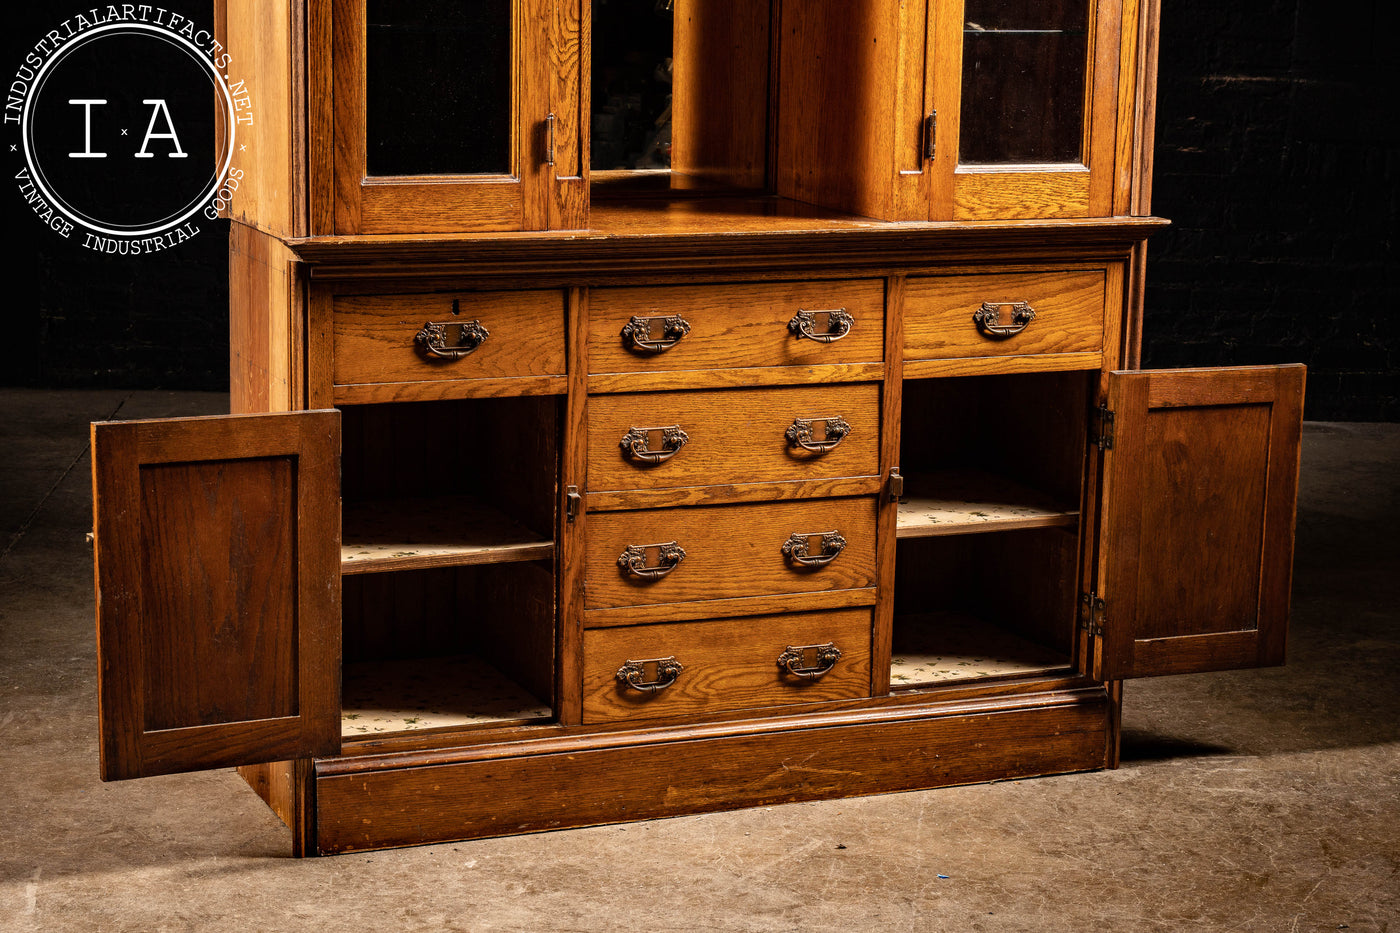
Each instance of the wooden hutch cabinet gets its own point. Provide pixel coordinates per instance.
(644, 407)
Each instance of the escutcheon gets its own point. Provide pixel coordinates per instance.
(451, 340)
(802, 434)
(648, 335)
(821, 326)
(634, 561)
(798, 548)
(988, 318)
(650, 675)
(809, 661)
(636, 444)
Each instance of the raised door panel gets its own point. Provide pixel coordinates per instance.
(1195, 547)
(217, 545)
(1026, 97)
(450, 117)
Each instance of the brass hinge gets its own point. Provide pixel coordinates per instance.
(549, 122)
(896, 485)
(572, 502)
(1091, 613)
(1103, 420)
(931, 135)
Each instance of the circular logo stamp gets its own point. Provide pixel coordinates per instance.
(127, 125)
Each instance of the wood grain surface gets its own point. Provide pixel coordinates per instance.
(734, 436)
(731, 551)
(733, 326)
(585, 780)
(374, 336)
(1068, 305)
(218, 602)
(728, 664)
(1199, 493)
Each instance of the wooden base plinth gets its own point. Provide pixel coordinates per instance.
(567, 779)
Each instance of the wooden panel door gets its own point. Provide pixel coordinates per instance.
(218, 590)
(1024, 98)
(450, 117)
(1195, 547)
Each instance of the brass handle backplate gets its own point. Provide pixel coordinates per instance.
(809, 661)
(634, 560)
(451, 340)
(798, 548)
(988, 318)
(636, 443)
(650, 675)
(821, 326)
(654, 334)
(803, 434)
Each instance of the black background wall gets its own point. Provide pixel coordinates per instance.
(1278, 162)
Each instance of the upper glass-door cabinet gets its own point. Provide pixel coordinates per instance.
(958, 109)
(451, 116)
(1022, 122)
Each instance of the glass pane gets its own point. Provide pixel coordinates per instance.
(438, 87)
(1024, 67)
(633, 43)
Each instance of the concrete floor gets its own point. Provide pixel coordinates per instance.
(1263, 800)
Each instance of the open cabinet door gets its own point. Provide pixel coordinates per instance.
(1195, 547)
(217, 558)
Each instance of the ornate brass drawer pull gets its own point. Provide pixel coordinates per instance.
(640, 334)
(636, 443)
(988, 318)
(663, 673)
(838, 325)
(797, 548)
(809, 661)
(435, 338)
(633, 561)
(801, 433)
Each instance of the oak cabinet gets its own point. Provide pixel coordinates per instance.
(777, 399)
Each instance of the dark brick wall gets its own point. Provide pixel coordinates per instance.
(1277, 162)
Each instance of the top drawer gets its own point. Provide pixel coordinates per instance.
(1004, 314)
(439, 345)
(686, 327)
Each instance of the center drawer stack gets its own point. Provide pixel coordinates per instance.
(729, 547)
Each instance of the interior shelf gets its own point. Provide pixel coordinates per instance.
(380, 697)
(416, 534)
(959, 502)
(941, 647)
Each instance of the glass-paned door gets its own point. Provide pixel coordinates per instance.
(1025, 96)
(452, 116)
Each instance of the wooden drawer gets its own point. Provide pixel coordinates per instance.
(1068, 309)
(725, 664)
(735, 326)
(375, 340)
(729, 551)
(732, 436)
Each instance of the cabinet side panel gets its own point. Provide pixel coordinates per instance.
(265, 70)
(264, 324)
(721, 82)
(836, 99)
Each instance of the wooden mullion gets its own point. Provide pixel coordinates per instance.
(892, 400)
(569, 572)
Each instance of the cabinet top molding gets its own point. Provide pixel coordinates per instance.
(850, 242)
